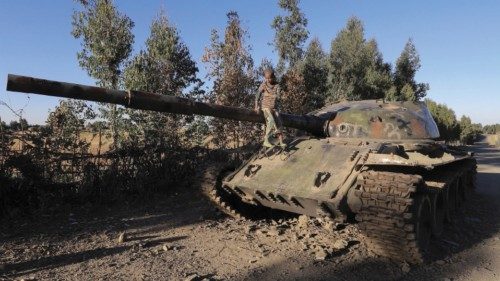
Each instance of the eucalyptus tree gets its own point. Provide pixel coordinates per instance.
(356, 69)
(231, 69)
(290, 34)
(164, 67)
(106, 41)
(405, 87)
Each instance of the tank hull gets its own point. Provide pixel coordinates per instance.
(317, 173)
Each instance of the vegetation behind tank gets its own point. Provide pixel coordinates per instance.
(79, 147)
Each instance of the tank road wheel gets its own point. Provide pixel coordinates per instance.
(470, 181)
(451, 199)
(472, 172)
(395, 215)
(438, 204)
(470, 178)
(423, 221)
(467, 185)
(460, 191)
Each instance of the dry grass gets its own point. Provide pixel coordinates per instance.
(93, 138)
(493, 140)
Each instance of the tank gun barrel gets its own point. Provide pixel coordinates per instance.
(155, 102)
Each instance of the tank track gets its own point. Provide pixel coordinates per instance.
(389, 214)
(397, 212)
(225, 201)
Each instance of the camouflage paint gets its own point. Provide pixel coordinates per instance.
(380, 120)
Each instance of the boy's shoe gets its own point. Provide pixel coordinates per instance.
(268, 144)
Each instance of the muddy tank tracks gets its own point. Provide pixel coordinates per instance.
(400, 213)
(224, 200)
(394, 216)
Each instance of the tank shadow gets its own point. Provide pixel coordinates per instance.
(365, 269)
(141, 222)
(31, 266)
(146, 216)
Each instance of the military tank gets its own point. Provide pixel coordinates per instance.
(369, 162)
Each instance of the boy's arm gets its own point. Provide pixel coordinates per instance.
(258, 96)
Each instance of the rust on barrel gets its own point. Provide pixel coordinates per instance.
(155, 102)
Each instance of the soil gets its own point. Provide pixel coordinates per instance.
(183, 237)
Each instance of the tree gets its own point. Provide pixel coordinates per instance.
(166, 68)
(65, 124)
(446, 120)
(294, 97)
(304, 84)
(230, 66)
(18, 125)
(290, 34)
(492, 129)
(197, 130)
(23, 123)
(14, 125)
(489, 129)
(469, 132)
(405, 87)
(315, 72)
(106, 39)
(355, 67)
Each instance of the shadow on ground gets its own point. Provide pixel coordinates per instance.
(142, 222)
(44, 263)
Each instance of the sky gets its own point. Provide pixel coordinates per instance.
(458, 42)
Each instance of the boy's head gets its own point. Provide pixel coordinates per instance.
(269, 75)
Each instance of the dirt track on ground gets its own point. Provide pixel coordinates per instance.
(183, 237)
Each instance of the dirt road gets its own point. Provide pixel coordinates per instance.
(182, 237)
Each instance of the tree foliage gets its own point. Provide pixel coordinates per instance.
(450, 129)
(355, 67)
(65, 124)
(3, 125)
(469, 132)
(314, 69)
(294, 96)
(230, 66)
(405, 88)
(492, 129)
(445, 118)
(18, 125)
(290, 34)
(106, 39)
(164, 67)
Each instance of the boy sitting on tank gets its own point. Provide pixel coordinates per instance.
(269, 91)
